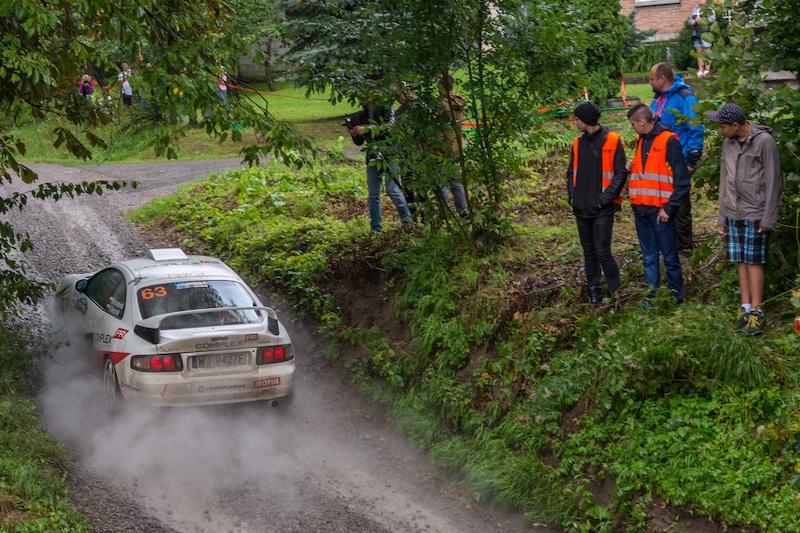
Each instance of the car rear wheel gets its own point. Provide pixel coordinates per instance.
(111, 385)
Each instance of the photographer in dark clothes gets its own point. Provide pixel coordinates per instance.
(371, 126)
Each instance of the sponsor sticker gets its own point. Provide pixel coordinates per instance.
(120, 334)
(267, 382)
(201, 389)
(251, 337)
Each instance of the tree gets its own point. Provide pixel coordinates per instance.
(46, 46)
(260, 25)
(759, 36)
(599, 61)
(508, 57)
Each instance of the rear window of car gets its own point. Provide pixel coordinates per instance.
(165, 298)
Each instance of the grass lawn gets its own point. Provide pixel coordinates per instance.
(314, 116)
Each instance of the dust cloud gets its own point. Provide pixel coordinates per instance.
(185, 456)
(204, 468)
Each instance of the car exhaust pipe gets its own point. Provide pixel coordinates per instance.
(274, 404)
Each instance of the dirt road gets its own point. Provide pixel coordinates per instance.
(336, 464)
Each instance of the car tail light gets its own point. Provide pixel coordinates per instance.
(274, 354)
(157, 363)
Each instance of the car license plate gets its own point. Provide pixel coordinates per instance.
(219, 360)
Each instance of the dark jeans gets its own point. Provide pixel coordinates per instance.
(595, 235)
(659, 239)
(683, 221)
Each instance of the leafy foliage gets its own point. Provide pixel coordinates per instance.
(46, 47)
(743, 50)
(508, 58)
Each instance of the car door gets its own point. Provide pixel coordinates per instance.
(106, 292)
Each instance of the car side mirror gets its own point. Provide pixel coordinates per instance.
(81, 285)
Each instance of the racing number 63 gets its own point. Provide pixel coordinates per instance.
(153, 292)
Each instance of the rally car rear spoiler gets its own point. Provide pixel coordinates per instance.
(150, 328)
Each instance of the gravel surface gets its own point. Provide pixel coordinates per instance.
(335, 463)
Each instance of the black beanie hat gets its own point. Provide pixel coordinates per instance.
(588, 113)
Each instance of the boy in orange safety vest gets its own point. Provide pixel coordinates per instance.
(659, 183)
(595, 178)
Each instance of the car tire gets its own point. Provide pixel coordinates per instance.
(111, 386)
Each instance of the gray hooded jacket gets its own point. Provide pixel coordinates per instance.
(750, 178)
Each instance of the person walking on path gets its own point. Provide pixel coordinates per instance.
(371, 126)
(673, 103)
(659, 183)
(595, 177)
(749, 205)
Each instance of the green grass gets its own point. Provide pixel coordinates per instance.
(33, 495)
(315, 117)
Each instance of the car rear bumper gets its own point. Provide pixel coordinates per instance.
(176, 390)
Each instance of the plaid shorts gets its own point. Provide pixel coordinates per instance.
(744, 243)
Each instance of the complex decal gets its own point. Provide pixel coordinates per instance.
(219, 345)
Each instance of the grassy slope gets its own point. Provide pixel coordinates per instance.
(618, 421)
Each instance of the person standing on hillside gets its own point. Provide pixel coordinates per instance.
(86, 87)
(673, 103)
(453, 106)
(749, 205)
(659, 184)
(595, 177)
(371, 126)
(125, 89)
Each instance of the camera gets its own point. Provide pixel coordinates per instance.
(350, 122)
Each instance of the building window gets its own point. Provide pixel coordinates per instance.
(644, 3)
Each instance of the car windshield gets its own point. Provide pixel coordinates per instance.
(167, 298)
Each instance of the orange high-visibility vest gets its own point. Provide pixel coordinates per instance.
(609, 149)
(652, 185)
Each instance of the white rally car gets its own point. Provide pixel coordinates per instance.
(176, 330)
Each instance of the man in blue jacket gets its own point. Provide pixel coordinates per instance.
(673, 104)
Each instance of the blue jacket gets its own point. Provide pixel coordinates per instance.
(679, 99)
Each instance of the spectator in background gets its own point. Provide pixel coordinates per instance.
(125, 89)
(86, 87)
(595, 177)
(371, 126)
(673, 103)
(104, 101)
(749, 205)
(453, 106)
(701, 46)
